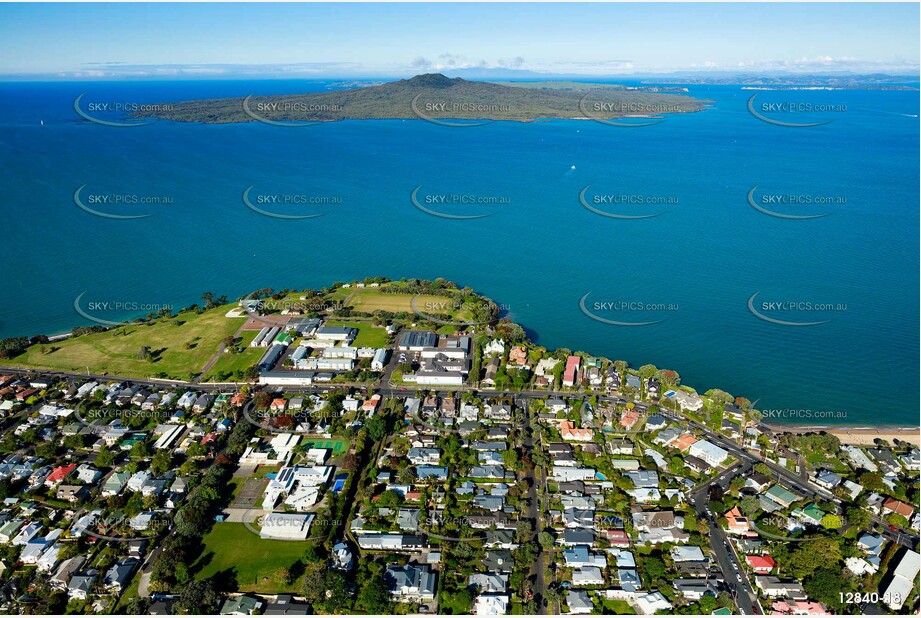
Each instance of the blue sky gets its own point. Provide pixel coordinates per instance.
(367, 40)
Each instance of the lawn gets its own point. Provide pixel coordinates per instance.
(231, 550)
(368, 336)
(179, 346)
(240, 361)
(617, 606)
(373, 299)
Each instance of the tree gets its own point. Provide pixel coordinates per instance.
(105, 458)
(377, 428)
(750, 505)
(374, 597)
(872, 481)
(546, 540)
(161, 462)
(461, 601)
(831, 521)
(857, 517)
(826, 586)
(199, 597)
(140, 450)
(390, 499)
(812, 555)
(708, 603)
(654, 568)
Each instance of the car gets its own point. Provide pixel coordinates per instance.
(893, 528)
(738, 577)
(741, 611)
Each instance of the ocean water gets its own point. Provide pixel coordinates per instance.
(537, 253)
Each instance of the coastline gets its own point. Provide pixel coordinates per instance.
(855, 435)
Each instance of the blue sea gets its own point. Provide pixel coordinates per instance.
(692, 270)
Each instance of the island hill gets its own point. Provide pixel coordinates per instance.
(434, 96)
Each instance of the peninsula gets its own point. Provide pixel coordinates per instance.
(399, 447)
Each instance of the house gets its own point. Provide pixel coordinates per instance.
(773, 587)
(781, 496)
(390, 542)
(903, 580)
(72, 493)
(761, 565)
(695, 589)
(757, 481)
(897, 506)
(115, 483)
(568, 431)
(621, 446)
(790, 607)
(687, 553)
(579, 602)
(736, 522)
(827, 479)
(709, 452)
(571, 372)
(81, 584)
(410, 582)
(59, 474)
(651, 603)
(518, 355)
(87, 474)
(119, 574)
(491, 604)
(285, 605)
(810, 514)
(242, 605)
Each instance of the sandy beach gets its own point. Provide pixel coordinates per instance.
(862, 436)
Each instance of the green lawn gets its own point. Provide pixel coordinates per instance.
(368, 336)
(240, 361)
(179, 346)
(617, 606)
(233, 550)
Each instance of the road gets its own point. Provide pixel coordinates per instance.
(726, 558)
(534, 494)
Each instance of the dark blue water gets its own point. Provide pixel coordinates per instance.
(538, 253)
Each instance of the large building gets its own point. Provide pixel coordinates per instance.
(416, 340)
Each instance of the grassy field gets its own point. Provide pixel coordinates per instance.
(231, 550)
(368, 336)
(373, 299)
(240, 361)
(179, 346)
